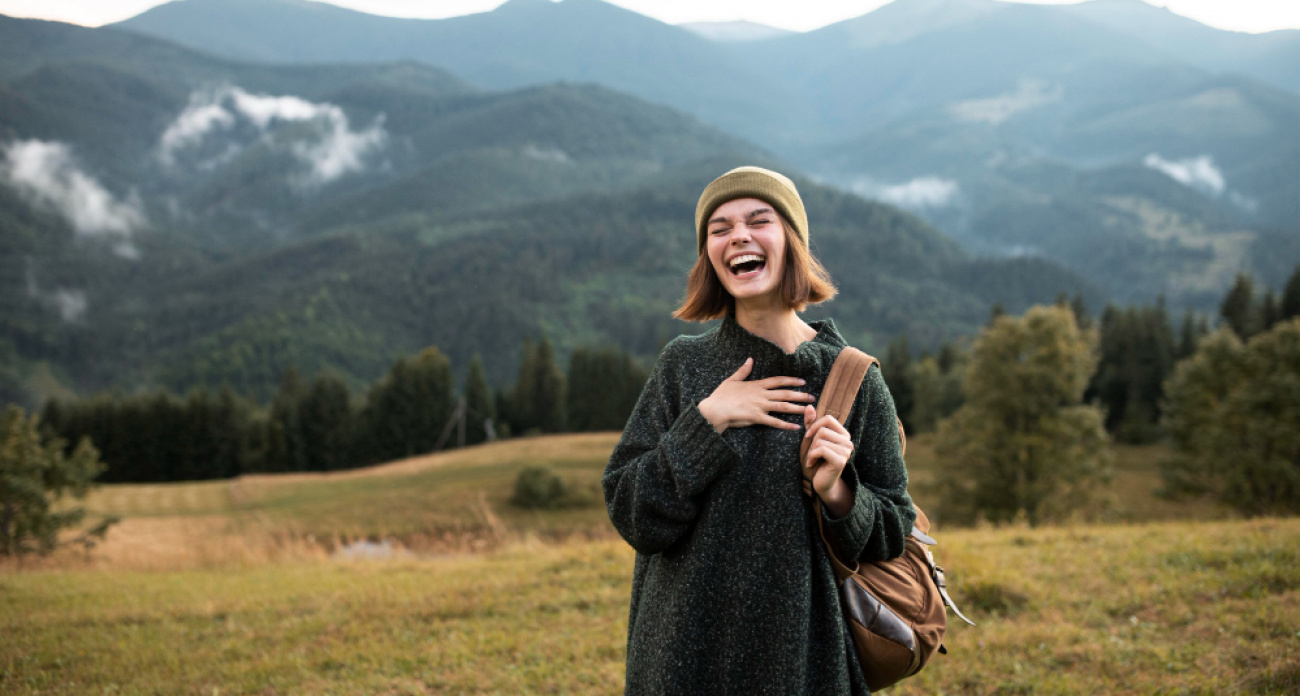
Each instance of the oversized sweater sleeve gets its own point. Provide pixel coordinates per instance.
(664, 461)
(877, 525)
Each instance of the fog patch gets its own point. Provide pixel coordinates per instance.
(1195, 172)
(1246, 203)
(921, 192)
(1029, 94)
(549, 154)
(328, 146)
(71, 303)
(48, 174)
(1020, 251)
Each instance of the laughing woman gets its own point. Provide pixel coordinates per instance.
(732, 592)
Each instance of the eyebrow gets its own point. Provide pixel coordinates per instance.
(750, 214)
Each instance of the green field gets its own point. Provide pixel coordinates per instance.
(237, 587)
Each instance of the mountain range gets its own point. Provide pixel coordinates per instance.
(172, 218)
(950, 108)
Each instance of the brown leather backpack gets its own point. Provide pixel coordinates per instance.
(894, 609)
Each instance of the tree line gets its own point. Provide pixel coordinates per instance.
(320, 425)
(1138, 348)
(1023, 414)
(1024, 417)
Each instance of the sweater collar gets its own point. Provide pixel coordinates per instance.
(734, 337)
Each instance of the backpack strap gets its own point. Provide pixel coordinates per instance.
(839, 393)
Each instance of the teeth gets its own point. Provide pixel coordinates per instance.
(743, 258)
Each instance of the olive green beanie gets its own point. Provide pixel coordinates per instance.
(752, 182)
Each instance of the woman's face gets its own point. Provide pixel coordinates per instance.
(746, 245)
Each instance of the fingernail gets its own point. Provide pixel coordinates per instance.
(801, 382)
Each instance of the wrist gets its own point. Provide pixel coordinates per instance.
(706, 410)
(839, 499)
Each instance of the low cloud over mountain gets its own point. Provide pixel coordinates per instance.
(47, 173)
(235, 118)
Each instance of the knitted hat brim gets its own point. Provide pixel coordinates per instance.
(752, 182)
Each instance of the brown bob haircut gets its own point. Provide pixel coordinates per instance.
(804, 281)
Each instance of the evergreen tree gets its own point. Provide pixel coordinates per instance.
(538, 401)
(522, 417)
(996, 312)
(407, 410)
(231, 425)
(479, 402)
(603, 386)
(286, 448)
(1234, 414)
(1188, 335)
(549, 395)
(1269, 313)
(897, 369)
(937, 387)
(1238, 307)
(1137, 353)
(327, 422)
(1024, 440)
(1080, 312)
(1289, 307)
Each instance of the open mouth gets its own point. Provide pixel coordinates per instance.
(747, 264)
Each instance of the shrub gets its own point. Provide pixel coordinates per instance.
(538, 487)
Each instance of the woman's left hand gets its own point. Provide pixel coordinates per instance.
(827, 455)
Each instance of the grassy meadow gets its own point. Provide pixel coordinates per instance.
(247, 587)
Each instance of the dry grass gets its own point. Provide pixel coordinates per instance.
(232, 587)
(453, 502)
(1161, 608)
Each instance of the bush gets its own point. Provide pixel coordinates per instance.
(35, 476)
(538, 487)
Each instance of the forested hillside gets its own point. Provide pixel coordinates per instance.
(1017, 129)
(210, 222)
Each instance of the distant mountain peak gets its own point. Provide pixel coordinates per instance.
(734, 32)
(515, 5)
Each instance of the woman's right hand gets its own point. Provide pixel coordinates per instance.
(737, 403)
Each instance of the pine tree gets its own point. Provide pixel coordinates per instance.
(1137, 352)
(231, 425)
(897, 369)
(1188, 335)
(603, 385)
(285, 445)
(1269, 312)
(1238, 307)
(522, 416)
(549, 395)
(1289, 307)
(1080, 312)
(479, 402)
(408, 409)
(328, 423)
(996, 312)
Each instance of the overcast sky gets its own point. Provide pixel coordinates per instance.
(1237, 15)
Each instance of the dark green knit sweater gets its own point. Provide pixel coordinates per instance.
(732, 592)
